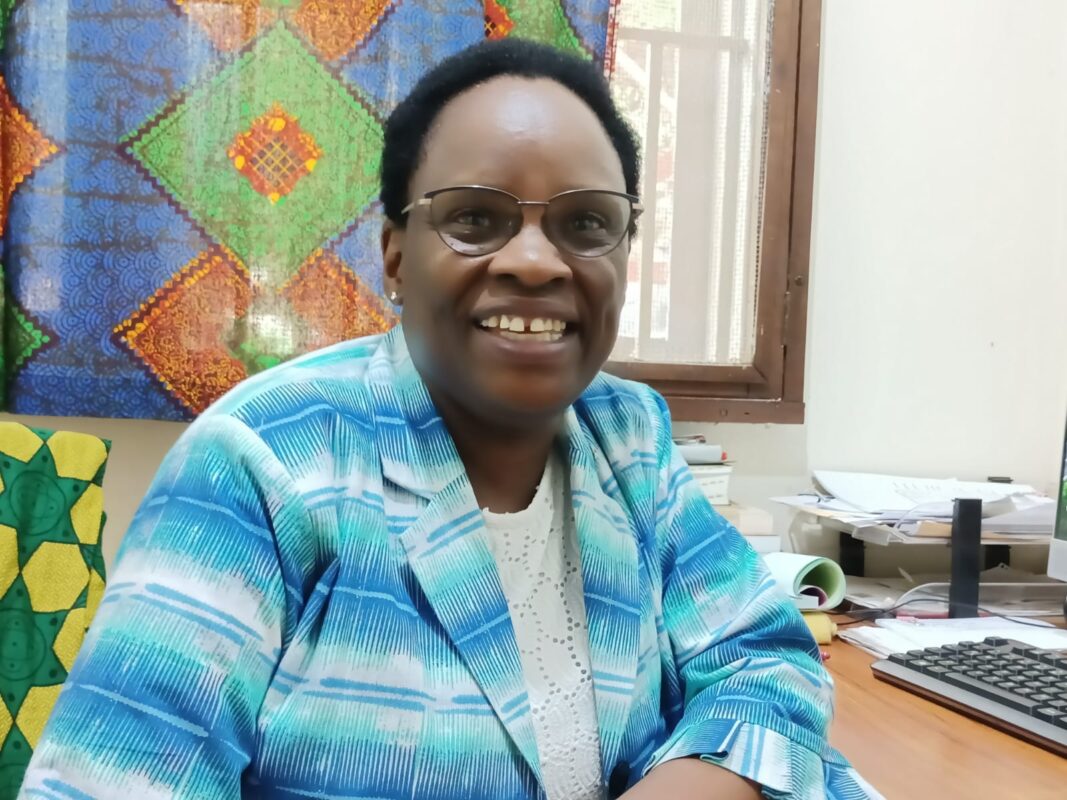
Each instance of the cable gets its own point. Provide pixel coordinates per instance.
(865, 614)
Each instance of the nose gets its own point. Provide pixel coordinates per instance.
(530, 257)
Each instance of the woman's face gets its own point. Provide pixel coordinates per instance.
(534, 139)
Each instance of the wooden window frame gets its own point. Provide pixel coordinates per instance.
(771, 389)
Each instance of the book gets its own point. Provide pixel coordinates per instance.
(812, 582)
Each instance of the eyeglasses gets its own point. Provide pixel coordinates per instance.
(479, 220)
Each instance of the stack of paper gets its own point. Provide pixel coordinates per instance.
(1039, 518)
(889, 636)
(1002, 590)
(879, 494)
(885, 508)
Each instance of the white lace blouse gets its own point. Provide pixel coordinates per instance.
(536, 553)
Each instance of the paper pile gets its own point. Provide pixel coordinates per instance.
(889, 636)
(884, 508)
(1002, 590)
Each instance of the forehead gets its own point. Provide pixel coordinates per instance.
(528, 136)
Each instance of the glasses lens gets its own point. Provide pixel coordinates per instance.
(474, 221)
(588, 223)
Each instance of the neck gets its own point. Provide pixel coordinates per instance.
(504, 465)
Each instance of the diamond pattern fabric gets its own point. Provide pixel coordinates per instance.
(189, 188)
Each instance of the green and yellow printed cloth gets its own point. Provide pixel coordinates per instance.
(51, 576)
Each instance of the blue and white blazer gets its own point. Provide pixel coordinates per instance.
(305, 606)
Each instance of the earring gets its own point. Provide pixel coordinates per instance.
(394, 297)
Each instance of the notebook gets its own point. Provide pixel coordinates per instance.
(812, 582)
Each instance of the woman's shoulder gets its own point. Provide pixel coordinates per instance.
(331, 381)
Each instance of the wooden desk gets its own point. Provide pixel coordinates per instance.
(910, 748)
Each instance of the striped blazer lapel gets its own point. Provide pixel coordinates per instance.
(446, 544)
(449, 554)
(608, 549)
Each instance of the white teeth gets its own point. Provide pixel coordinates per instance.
(546, 336)
(537, 328)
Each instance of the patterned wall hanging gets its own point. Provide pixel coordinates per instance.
(188, 188)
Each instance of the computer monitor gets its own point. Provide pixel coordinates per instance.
(1057, 554)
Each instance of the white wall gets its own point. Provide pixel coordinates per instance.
(937, 339)
(937, 330)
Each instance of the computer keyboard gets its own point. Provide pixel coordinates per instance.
(1007, 684)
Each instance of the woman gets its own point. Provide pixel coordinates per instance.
(454, 561)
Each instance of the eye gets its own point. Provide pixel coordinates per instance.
(587, 222)
(471, 218)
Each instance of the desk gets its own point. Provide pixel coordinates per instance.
(908, 747)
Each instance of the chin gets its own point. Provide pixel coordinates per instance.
(529, 404)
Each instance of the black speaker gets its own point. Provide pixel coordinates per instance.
(966, 558)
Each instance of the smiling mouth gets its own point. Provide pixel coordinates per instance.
(520, 329)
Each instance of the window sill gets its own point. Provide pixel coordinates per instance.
(709, 409)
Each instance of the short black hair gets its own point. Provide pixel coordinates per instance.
(411, 120)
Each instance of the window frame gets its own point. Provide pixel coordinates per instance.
(771, 389)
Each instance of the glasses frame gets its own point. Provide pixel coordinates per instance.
(427, 199)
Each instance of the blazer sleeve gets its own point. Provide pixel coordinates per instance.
(755, 696)
(163, 699)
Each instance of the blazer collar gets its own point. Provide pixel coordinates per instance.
(416, 449)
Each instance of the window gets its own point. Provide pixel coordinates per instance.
(723, 94)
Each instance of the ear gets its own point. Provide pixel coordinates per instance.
(392, 256)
